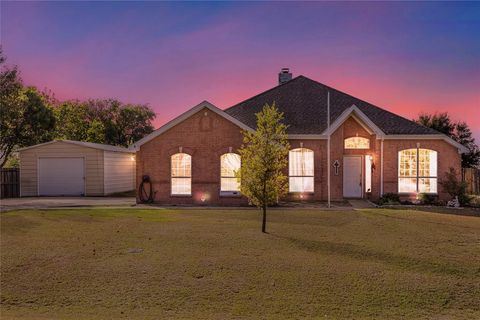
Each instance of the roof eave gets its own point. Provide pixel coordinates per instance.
(461, 148)
(96, 146)
(38, 145)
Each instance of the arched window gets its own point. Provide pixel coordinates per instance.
(417, 171)
(357, 143)
(300, 170)
(229, 165)
(181, 174)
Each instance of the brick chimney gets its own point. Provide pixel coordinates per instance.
(284, 76)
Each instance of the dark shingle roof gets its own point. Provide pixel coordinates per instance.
(304, 104)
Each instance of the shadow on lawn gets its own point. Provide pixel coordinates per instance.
(362, 253)
(465, 211)
(409, 219)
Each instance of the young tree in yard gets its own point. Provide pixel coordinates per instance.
(25, 115)
(264, 157)
(458, 131)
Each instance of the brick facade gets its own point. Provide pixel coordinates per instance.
(206, 136)
(448, 156)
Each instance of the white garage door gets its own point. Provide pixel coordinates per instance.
(61, 177)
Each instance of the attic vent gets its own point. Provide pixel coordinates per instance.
(284, 76)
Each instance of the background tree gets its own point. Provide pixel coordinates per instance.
(29, 117)
(72, 120)
(264, 157)
(463, 135)
(134, 122)
(438, 121)
(104, 121)
(96, 132)
(26, 118)
(458, 131)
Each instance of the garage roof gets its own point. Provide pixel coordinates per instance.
(92, 145)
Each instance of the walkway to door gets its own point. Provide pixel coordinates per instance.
(361, 204)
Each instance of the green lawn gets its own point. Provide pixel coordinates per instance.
(216, 264)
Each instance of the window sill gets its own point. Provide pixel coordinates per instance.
(230, 194)
(299, 193)
(180, 195)
(415, 193)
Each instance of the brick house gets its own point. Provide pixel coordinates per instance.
(191, 159)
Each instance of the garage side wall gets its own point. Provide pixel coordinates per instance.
(29, 171)
(119, 172)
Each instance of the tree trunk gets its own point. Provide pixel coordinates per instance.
(264, 220)
(5, 154)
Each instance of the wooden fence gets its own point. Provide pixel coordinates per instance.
(472, 177)
(10, 183)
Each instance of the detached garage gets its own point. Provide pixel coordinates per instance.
(74, 168)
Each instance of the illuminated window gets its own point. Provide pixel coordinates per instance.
(357, 143)
(229, 165)
(181, 174)
(300, 170)
(417, 171)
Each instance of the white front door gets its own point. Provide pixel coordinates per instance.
(61, 177)
(352, 177)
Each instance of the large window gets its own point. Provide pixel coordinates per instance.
(357, 143)
(417, 170)
(181, 174)
(229, 164)
(300, 170)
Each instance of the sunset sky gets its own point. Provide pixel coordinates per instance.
(404, 57)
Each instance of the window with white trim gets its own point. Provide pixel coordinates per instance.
(229, 165)
(300, 170)
(357, 143)
(417, 171)
(181, 174)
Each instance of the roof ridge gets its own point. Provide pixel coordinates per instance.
(102, 146)
(263, 92)
(99, 146)
(311, 99)
(364, 101)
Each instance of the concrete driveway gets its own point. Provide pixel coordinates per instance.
(62, 202)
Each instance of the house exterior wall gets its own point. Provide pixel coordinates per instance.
(29, 160)
(206, 135)
(350, 128)
(448, 157)
(119, 172)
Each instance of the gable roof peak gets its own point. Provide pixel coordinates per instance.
(303, 102)
(186, 115)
